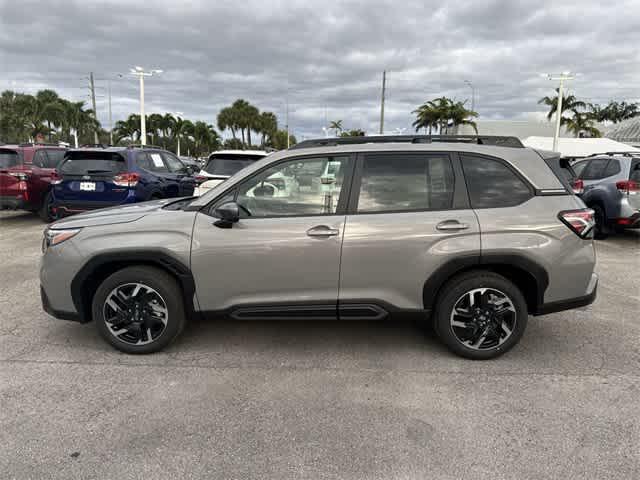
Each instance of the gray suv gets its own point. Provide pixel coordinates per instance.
(471, 234)
(610, 185)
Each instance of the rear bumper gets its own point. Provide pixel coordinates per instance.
(13, 203)
(572, 303)
(629, 222)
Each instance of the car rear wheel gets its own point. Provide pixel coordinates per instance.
(46, 210)
(601, 230)
(139, 309)
(480, 315)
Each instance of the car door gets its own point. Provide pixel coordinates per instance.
(179, 174)
(45, 161)
(282, 258)
(408, 217)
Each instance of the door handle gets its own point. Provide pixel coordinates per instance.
(451, 225)
(322, 231)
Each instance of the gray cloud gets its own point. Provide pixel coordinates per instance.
(322, 56)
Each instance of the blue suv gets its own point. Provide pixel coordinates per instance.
(99, 177)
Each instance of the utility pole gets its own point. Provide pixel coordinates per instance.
(110, 117)
(141, 73)
(384, 87)
(473, 95)
(561, 77)
(93, 102)
(287, 119)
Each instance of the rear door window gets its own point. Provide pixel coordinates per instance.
(492, 184)
(9, 158)
(93, 164)
(151, 162)
(578, 167)
(405, 182)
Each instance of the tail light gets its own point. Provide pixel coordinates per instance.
(56, 179)
(581, 222)
(23, 177)
(628, 187)
(201, 179)
(577, 186)
(126, 179)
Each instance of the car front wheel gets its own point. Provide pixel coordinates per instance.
(480, 315)
(139, 309)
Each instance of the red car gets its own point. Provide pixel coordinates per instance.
(26, 172)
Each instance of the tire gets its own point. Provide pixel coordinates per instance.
(152, 329)
(45, 212)
(601, 230)
(501, 332)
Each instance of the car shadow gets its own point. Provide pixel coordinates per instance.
(20, 218)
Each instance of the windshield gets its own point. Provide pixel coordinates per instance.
(8, 158)
(228, 165)
(87, 163)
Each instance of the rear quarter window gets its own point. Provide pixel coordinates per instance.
(492, 184)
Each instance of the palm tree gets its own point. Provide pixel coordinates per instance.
(426, 117)
(181, 128)
(582, 123)
(336, 126)
(569, 103)
(205, 138)
(228, 118)
(459, 115)
(128, 129)
(268, 125)
(154, 125)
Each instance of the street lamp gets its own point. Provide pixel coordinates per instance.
(561, 77)
(141, 73)
(473, 95)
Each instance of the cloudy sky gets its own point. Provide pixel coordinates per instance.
(325, 57)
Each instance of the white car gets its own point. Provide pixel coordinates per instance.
(221, 165)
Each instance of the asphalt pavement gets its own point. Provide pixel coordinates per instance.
(316, 400)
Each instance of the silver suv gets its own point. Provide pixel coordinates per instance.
(472, 234)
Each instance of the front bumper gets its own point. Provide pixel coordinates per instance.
(572, 303)
(60, 314)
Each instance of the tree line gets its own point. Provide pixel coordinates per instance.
(582, 116)
(47, 117)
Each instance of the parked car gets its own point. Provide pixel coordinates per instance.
(466, 234)
(610, 185)
(191, 162)
(26, 172)
(92, 178)
(223, 164)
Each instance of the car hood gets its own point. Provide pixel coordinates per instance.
(112, 215)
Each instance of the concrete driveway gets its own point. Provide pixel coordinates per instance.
(278, 400)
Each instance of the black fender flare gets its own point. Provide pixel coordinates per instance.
(93, 270)
(491, 262)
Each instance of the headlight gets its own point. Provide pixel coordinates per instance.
(54, 237)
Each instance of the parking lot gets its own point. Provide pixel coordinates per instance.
(314, 399)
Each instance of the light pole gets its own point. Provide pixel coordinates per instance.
(561, 77)
(141, 73)
(473, 95)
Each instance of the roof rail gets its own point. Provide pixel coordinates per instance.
(139, 145)
(95, 145)
(630, 153)
(38, 144)
(500, 141)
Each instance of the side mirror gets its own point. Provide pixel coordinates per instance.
(228, 214)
